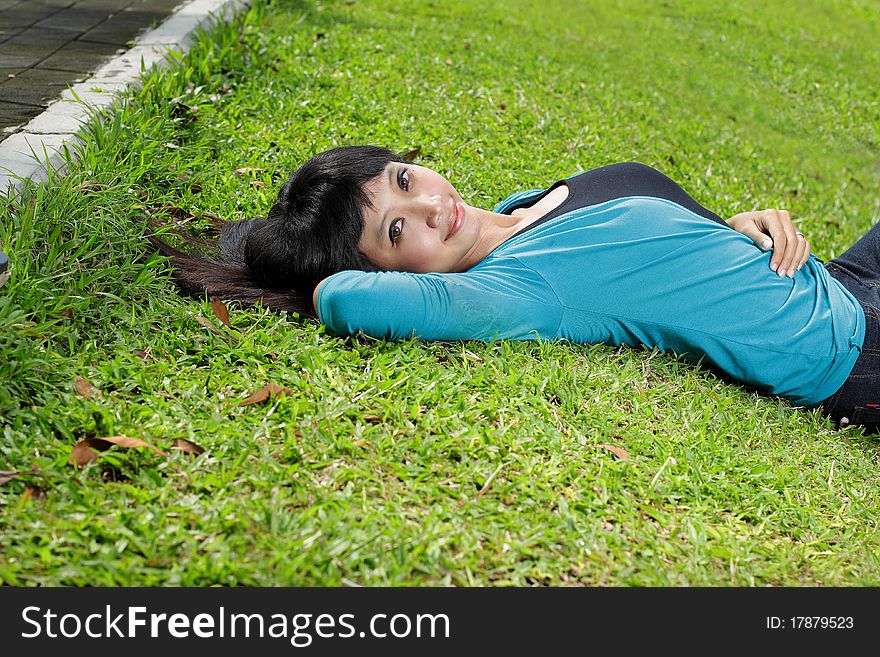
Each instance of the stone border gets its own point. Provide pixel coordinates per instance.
(41, 144)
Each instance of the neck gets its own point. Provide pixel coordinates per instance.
(496, 228)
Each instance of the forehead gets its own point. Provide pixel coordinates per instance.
(378, 199)
(378, 190)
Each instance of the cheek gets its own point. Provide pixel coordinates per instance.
(420, 255)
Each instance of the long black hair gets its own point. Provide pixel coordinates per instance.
(311, 232)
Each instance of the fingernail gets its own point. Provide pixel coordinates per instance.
(766, 244)
(774, 266)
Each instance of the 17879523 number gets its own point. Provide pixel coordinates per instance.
(810, 623)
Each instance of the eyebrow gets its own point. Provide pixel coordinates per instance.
(385, 216)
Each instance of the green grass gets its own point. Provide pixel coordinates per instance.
(434, 463)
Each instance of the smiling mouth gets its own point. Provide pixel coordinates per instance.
(457, 218)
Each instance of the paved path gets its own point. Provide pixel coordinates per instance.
(46, 45)
(40, 48)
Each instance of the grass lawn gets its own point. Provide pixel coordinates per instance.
(433, 463)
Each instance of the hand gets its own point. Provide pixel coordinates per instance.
(774, 228)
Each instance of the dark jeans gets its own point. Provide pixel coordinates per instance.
(858, 399)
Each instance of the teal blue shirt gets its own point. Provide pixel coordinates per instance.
(638, 271)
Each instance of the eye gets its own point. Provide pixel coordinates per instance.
(403, 179)
(394, 230)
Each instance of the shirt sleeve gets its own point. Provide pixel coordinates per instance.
(508, 302)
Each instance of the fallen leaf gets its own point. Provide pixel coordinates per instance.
(140, 353)
(187, 446)
(84, 451)
(179, 215)
(473, 355)
(268, 390)
(371, 418)
(204, 321)
(220, 311)
(449, 62)
(6, 477)
(614, 449)
(86, 389)
(413, 154)
(245, 170)
(34, 492)
(89, 184)
(258, 183)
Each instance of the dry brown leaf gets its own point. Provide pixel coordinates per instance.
(140, 353)
(187, 446)
(204, 321)
(245, 170)
(258, 183)
(178, 214)
(84, 451)
(371, 418)
(33, 492)
(268, 390)
(471, 354)
(614, 449)
(6, 477)
(220, 311)
(86, 389)
(89, 184)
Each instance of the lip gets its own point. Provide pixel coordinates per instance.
(457, 218)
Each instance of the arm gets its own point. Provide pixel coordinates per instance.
(315, 295)
(485, 306)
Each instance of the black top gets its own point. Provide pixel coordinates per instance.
(616, 181)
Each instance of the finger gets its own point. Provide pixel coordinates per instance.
(805, 253)
(772, 225)
(800, 257)
(791, 252)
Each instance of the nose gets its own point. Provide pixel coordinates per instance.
(434, 211)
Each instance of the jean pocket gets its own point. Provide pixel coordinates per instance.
(868, 416)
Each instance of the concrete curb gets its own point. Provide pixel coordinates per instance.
(41, 144)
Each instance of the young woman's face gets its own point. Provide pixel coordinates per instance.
(417, 222)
